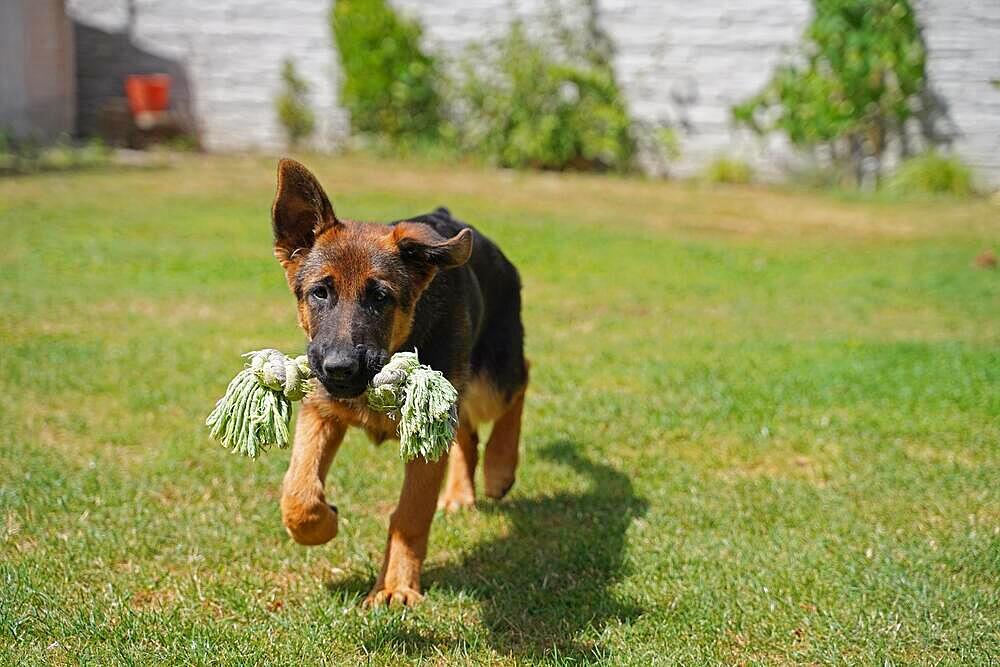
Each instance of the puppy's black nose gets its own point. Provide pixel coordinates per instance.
(340, 365)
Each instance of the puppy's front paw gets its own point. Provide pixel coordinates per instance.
(309, 523)
(398, 597)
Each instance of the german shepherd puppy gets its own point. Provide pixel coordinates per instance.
(365, 291)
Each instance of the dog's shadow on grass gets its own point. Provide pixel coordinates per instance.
(545, 586)
(550, 578)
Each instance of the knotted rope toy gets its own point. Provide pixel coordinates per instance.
(423, 402)
(255, 411)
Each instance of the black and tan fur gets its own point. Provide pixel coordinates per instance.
(368, 290)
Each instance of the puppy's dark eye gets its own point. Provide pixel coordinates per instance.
(320, 292)
(378, 297)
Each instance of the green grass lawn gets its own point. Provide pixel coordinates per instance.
(764, 427)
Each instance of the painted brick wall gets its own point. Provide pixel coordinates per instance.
(963, 40)
(681, 62)
(231, 51)
(678, 62)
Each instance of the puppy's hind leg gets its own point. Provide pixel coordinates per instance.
(460, 488)
(500, 464)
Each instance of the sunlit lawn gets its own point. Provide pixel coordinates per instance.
(764, 427)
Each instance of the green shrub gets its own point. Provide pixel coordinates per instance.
(852, 86)
(27, 156)
(389, 84)
(728, 170)
(519, 102)
(525, 106)
(932, 173)
(292, 105)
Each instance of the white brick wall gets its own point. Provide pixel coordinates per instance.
(683, 62)
(963, 40)
(232, 51)
(679, 63)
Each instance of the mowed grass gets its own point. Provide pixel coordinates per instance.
(763, 427)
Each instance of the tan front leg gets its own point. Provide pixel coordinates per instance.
(304, 510)
(460, 489)
(409, 527)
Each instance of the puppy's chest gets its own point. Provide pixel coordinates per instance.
(355, 412)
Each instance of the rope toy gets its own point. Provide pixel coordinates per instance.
(423, 402)
(255, 411)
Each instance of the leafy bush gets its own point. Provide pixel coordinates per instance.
(389, 84)
(519, 102)
(729, 170)
(292, 105)
(932, 173)
(522, 105)
(853, 84)
(25, 156)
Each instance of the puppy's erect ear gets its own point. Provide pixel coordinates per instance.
(420, 245)
(301, 211)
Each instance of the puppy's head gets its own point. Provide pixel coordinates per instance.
(357, 284)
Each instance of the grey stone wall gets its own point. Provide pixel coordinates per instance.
(679, 62)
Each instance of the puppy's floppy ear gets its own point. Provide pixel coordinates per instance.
(420, 245)
(301, 211)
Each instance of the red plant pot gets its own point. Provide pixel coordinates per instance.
(148, 92)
